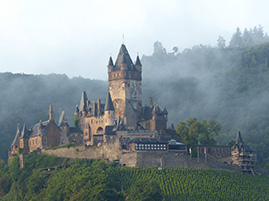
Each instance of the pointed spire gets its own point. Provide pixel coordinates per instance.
(83, 102)
(239, 139)
(16, 139)
(110, 62)
(165, 111)
(62, 120)
(24, 132)
(51, 113)
(137, 62)
(109, 105)
(156, 109)
(124, 58)
(76, 109)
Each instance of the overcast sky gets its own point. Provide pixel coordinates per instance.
(77, 37)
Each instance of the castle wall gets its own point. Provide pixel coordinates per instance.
(160, 159)
(34, 143)
(109, 151)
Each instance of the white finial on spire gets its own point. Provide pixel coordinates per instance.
(122, 37)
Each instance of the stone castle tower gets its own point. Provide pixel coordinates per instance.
(125, 87)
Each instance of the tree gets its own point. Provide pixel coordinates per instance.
(159, 49)
(221, 42)
(236, 40)
(194, 132)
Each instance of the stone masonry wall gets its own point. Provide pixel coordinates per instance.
(109, 151)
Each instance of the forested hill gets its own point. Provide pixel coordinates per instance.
(26, 98)
(228, 83)
(50, 178)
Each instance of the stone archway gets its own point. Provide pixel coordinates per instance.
(100, 130)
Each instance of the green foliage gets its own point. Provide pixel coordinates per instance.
(96, 180)
(194, 131)
(145, 190)
(228, 84)
(76, 121)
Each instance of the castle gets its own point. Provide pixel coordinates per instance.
(121, 128)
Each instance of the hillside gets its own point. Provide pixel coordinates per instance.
(83, 179)
(227, 83)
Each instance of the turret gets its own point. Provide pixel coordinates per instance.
(109, 110)
(24, 139)
(83, 104)
(239, 140)
(138, 65)
(110, 65)
(16, 141)
(76, 111)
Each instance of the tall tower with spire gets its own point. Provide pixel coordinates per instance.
(125, 87)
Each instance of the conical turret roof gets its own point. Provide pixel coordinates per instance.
(124, 57)
(137, 62)
(83, 102)
(76, 109)
(109, 105)
(239, 139)
(16, 141)
(110, 62)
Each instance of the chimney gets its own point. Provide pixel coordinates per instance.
(98, 107)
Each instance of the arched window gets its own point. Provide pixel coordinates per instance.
(100, 130)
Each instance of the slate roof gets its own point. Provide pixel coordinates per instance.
(247, 148)
(109, 130)
(74, 130)
(38, 129)
(62, 120)
(239, 139)
(137, 62)
(16, 141)
(109, 105)
(124, 57)
(83, 102)
(110, 62)
(24, 133)
(148, 141)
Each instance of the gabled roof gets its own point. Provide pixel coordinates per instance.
(24, 133)
(124, 58)
(109, 105)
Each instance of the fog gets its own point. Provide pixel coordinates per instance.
(77, 37)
